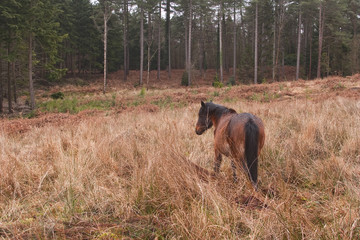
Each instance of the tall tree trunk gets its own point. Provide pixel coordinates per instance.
(141, 44)
(306, 32)
(31, 83)
(189, 44)
(105, 45)
(242, 39)
(321, 31)
(14, 81)
(220, 43)
(186, 42)
(283, 63)
(226, 45)
(310, 53)
(149, 43)
(274, 51)
(159, 44)
(256, 45)
(9, 75)
(274, 47)
(234, 54)
(281, 16)
(201, 57)
(298, 47)
(1, 82)
(167, 40)
(261, 51)
(125, 39)
(355, 43)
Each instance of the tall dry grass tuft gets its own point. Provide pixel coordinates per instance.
(128, 175)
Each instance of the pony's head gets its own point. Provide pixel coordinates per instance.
(204, 122)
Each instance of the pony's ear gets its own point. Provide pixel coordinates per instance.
(202, 104)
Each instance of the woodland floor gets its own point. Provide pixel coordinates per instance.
(128, 97)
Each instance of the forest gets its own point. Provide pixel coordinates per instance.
(252, 41)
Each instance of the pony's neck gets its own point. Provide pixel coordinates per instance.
(217, 111)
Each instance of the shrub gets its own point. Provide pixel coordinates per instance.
(142, 92)
(184, 79)
(57, 95)
(231, 81)
(217, 84)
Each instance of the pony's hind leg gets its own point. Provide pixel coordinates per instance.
(218, 160)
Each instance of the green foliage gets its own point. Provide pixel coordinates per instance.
(31, 114)
(136, 103)
(113, 99)
(217, 84)
(72, 105)
(60, 105)
(231, 81)
(142, 92)
(55, 74)
(163, 103)
(338, 86)
(184, 79)
(216, 94)
(57, 95)
(230, 99)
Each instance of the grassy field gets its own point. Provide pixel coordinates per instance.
(116, 166)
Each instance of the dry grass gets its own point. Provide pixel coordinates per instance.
(126, 176)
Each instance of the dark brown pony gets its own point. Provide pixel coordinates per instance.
(238, 136)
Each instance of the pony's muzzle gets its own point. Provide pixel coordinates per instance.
(199, 130)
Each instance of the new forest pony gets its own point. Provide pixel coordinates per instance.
(237, 136)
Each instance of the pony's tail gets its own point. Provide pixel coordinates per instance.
(251, 150)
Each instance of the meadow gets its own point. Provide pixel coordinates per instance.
(117, 166)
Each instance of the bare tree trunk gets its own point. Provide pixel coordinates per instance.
(31, 83)
(9, 75)
(141, 44)
(328, 62)
(105, 46)
(159, 44)
(186, 43)
(220, 43)
(256, 45)
(1, 82)
(125, 39)
(321, 31)
(261, 50)
(306, 32)
(168, 37)
(310, 54)
(298, 47)
(274, 46)
(201, 57)
(283, 64)
(149, 43)
(234, 59)
(281, 14)
(189, 44)
(14, 81)
(169, 56)
(355, 43)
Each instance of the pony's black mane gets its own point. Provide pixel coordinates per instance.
(218, 110)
